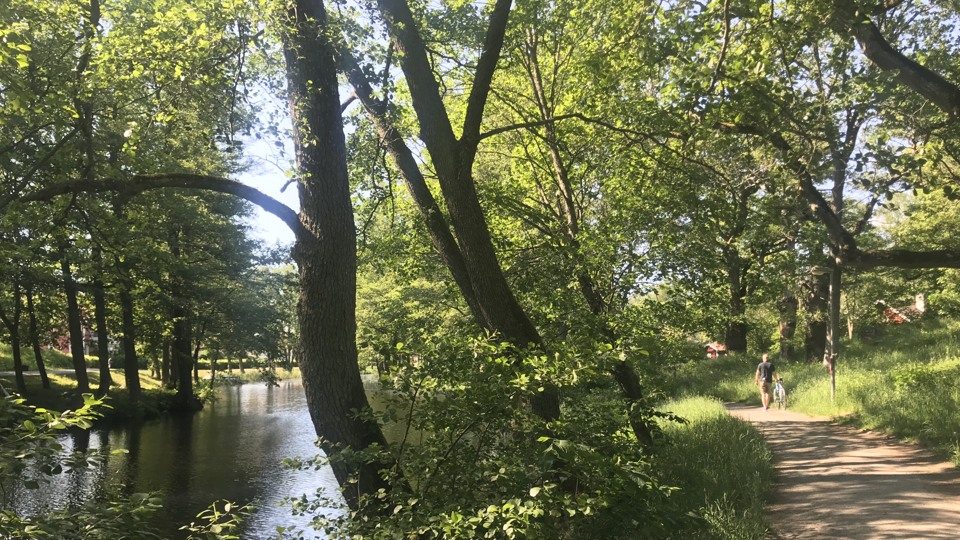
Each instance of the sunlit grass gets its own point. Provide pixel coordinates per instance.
(905, 382)
(720, 464)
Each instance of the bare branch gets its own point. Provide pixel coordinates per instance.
(140, 183)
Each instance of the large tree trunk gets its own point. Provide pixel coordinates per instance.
(787, 307)
(183, 357)
(128, 328)
(325, 252)
(735, 335)
(816, 304)
(131, 364)
(74, 325)
(35, 340)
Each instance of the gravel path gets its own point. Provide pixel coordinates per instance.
(840, 482)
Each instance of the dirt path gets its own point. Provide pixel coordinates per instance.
(839, 482)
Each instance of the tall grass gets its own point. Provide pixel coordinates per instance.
(905, 381)
(721, 466)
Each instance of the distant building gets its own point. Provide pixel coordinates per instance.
(900, 315)
(715, 349)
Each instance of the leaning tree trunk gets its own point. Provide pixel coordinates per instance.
(325, 253)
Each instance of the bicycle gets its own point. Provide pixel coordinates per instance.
(780, 394)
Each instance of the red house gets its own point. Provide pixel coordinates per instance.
(715, 349)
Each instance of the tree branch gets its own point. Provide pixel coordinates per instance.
(911, 74)
(435, 128)
(140, 183)
(493, 44)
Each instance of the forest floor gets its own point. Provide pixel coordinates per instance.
(837, 481)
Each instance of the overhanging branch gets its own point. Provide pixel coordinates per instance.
(146, 182)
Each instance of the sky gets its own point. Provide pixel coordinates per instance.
(267, 175)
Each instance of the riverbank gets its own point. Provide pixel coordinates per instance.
(154, 401)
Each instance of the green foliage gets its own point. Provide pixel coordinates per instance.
(220, 521)
(721, 467)
(903, 381)
(477, 463)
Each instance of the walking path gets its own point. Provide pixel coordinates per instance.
(838, 482)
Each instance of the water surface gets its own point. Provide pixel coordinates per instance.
(231, 450)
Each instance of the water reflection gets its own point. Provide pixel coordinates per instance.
(231, 450)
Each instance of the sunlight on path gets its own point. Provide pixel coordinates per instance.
(839, 482)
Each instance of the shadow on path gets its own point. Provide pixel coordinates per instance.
(839, 482)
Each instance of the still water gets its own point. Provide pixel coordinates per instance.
(231, 450)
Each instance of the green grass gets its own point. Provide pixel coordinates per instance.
(51, 359)
(905, 381)
(721, 466)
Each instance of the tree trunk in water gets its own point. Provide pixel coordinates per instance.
(182, 358)
(100, 317)
(815, 304)
(325, 253)
(165, 367)
(131, 364)
(74, 325)
(787, 307)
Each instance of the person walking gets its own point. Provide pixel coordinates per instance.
(764, 379)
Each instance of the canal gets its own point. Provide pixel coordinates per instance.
(231, 450)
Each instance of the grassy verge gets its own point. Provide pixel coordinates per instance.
(905, 381)
(155, 398)
(721, 466)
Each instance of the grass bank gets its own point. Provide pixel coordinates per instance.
(155, 397)
(721, 466)
(904, 381)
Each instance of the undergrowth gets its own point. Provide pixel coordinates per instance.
(720, 465)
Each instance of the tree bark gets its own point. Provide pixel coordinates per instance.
(735, 335)
(437, 226)
(12, 322)
(100, 321)
(453, 160)
(325, 252)
(932, 86)
(816, 303)
(787, 307)
(35, 340)
(74, 325)
(131, 364)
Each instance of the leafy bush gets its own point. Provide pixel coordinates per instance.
(474, 462)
